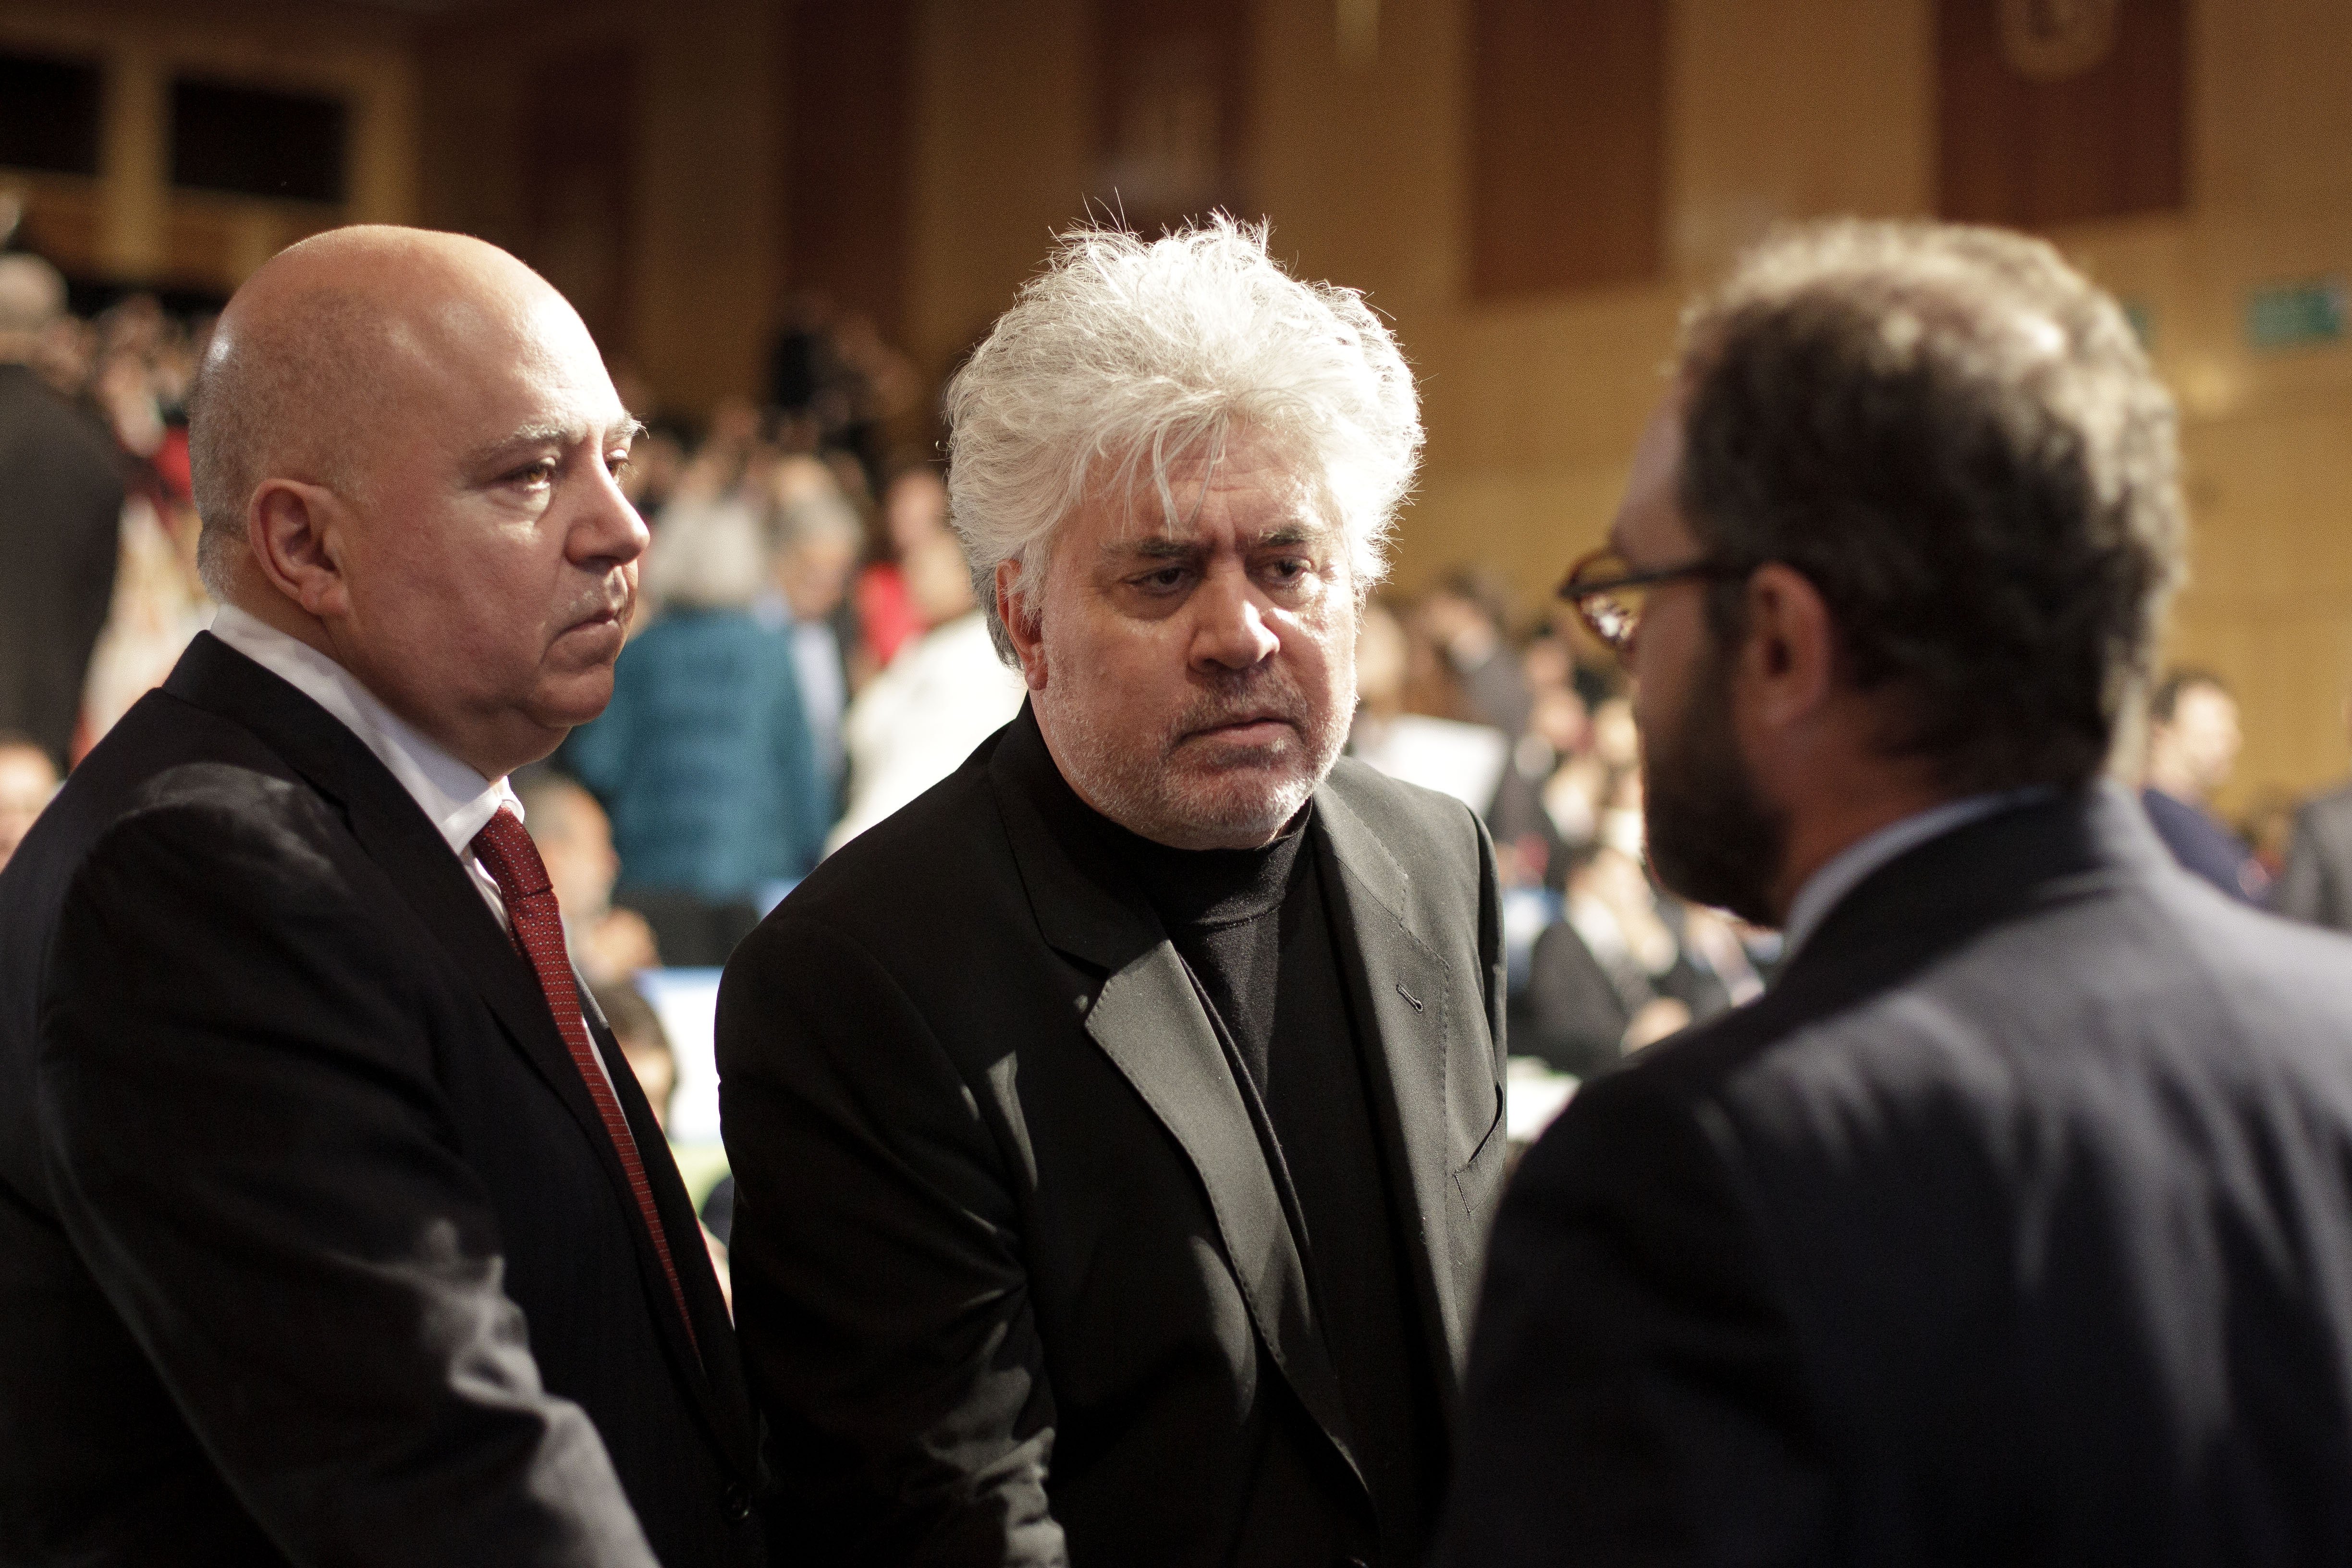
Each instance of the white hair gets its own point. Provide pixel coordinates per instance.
(705, 555)
(1125, 355)
(32, 293)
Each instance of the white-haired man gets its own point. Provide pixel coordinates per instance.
(1114, 1126)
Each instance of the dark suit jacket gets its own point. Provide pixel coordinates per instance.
(60, 526)
(313, 1246)
(1009, 1261)
(2317, 885)
(2013, 1225)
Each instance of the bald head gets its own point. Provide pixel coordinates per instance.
(407, 455)
(326, 347)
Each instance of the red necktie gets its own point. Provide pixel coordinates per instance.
(505, 848)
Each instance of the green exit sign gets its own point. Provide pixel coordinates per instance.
(2295, 315)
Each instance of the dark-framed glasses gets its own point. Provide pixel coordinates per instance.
(1609, 594)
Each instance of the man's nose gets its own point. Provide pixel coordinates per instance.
(1229, 630)
(610, 531)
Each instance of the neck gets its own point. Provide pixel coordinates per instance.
(2168, 778)
(1823, 829)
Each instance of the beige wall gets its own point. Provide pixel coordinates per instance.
(1778, 108)
(144, 231)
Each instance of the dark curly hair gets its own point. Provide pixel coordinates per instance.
(1958, 441)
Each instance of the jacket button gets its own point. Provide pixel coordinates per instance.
(737, 1502)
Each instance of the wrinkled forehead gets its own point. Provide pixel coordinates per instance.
(1241, 481)
(473, 370)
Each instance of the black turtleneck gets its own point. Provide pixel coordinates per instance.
(1254, 926)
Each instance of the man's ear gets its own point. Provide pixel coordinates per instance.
(1790, 655)
(295, 531)
(1019, 617)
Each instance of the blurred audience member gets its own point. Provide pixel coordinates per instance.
(944, 694)
(914, 513)
(1465, 617)
(637, 1029)
(817, 539)
(62, 492)
(645, 1043)
(703, 757)
(2192, 744)
(2317, 885)
(1611, 976)
(1464, 761)
(574, 839)
(28, 779)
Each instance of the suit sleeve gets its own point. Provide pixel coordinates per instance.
(1634, 1387)
(880, 1289)
(248, 1146)
(2306, 888)
(1491, 955)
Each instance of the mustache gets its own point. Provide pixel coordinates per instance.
(616, 596)
(1242, 696)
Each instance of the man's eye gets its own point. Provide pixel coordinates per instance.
(616, 464)
(1290, 568)
(1167, 580)
(540, 473)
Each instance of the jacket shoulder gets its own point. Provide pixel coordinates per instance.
(1405, 816)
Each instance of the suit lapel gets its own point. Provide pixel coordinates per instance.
(1147, 1020)
(409, 850)
(1404, 996)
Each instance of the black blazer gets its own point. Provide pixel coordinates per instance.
(60, 526)
(2316, 884)
(312, 1247)
(2013, 1225)
(1013, 1273)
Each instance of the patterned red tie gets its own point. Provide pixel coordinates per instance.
(505, 848)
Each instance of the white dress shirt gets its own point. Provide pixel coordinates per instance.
(1846, 870)
(459, 801)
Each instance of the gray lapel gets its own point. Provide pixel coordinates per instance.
(1147, 1019)
(1150, 1022)
(1407, 994)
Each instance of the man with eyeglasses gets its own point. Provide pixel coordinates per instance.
(2012, 1223)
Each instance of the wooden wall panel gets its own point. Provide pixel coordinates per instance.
(849, 109)
(2051, 112)
(579, 154)
(1567, 103)
(1172, 113)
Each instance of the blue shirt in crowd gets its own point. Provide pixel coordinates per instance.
(704, 760)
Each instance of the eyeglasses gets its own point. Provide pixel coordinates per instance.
(1610, 596)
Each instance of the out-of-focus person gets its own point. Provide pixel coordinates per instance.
(2010, 1225)
(703, 758)
(2317, 883)
(653, 1063)
(1625, 965)
(945, 693)
(27, 781)
(574, 839)
(637, 1029)
(1464, 761)
(914, 518)
(1467, 616)
(817, 540)
(61, 491)
(2192, 744)
(1114, 1127)
(335, 1227)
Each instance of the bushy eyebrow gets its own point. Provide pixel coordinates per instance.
(1161, 547)
(628, 432)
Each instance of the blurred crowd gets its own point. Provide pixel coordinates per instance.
(809, 656)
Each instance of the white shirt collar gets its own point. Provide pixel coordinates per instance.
(459, 801)
(1846, 870)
